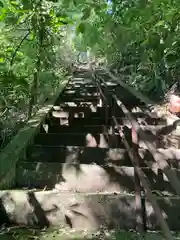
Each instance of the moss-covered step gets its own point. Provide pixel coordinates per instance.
(10, 155)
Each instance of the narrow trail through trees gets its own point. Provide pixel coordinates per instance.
(91, 164)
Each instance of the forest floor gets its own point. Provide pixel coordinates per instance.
(64, 234)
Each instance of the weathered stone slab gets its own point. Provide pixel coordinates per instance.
(82, 211)
(76, 99)
(80, 139)
(99, 128)
(76, 211)
(87, 177)
(78, 103)
(100, 113)
(71, 154)
(76, 129)
(118, 156)
(100, 121)
(79, 94)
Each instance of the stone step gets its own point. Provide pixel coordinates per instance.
(82, 80)
(92, 88)
(77, 103)
(82, 93)
(62, 154)
(76, 96)
(101, 140)
(52, 121)
(71, 109)
(104, 137)
(100, 113)
(89, 104)
(71, 98)
(77, 86)
(73, 129)
(80, 139)
(76, 109)
(95, 128)
(83, 211)
(89, 155)
(86, 91)
(101, 128)
(87, 178)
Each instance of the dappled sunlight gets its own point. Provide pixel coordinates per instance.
(89, 107)
(111, 211)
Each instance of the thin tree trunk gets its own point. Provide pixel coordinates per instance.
(34, 87)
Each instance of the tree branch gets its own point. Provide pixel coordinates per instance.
(18, 47)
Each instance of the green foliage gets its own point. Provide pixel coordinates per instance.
(66, 234)
(140, 39)
(30, 31)
(39, 40)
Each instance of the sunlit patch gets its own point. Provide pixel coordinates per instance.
(70, 104)
(78, 79)
(45, 127)
(57, 108)
(100, 104)
(69, 92)
(60, 114)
